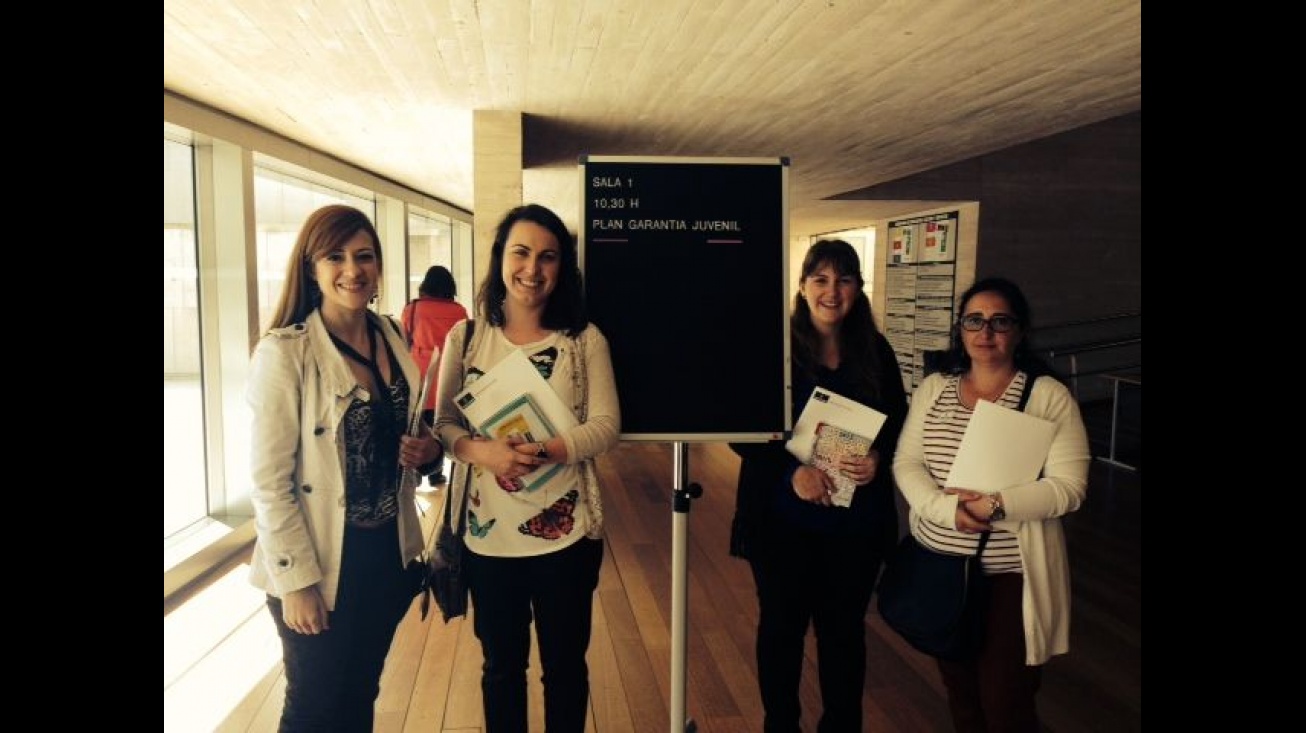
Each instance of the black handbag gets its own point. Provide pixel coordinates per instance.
(444, 577)
(934, 601)
(446, 580)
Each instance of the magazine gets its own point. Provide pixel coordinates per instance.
(513, 399)
(831, 428)
(832, 445)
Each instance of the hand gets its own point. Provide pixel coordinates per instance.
(529, 449)
(305, 611)
(418, 451)
(812, 485)
(861, 469)
(505, 459)
(965, 520)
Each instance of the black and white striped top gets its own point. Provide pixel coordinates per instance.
(944, 425)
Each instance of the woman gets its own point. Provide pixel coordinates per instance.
(812, 561)
(1027, 618)
(331, 387)
(427, 320)
(532, 553)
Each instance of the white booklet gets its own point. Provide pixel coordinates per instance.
(1000, 448)
(514, 399)
(831, 428)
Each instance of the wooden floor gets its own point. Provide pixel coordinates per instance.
(431, 681)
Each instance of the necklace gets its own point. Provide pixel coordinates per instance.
(967, 384)
(384, 431)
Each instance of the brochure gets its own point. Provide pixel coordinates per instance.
(513, 399)
(831, 428)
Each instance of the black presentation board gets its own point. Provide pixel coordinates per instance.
(685, 263)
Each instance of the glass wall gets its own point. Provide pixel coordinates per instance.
(224, 264)
(184, 485)
(430, 242)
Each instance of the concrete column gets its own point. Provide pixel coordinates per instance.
(497, 175)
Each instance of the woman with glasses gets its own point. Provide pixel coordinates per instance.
(1027, 614)
(815, 560)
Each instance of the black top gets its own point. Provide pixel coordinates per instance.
(765, 501)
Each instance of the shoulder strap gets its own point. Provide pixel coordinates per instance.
(411, 312)
(393, 324)
(467, 469)
(1024, 393)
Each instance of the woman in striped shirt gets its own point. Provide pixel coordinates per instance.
(1027, 619)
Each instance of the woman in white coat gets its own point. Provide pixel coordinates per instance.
(333, 388)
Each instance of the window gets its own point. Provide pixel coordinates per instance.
(282, 202)
(185, 494)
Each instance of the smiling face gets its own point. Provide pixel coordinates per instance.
(348, 276)
(531, 262)
(829, 296)
(987, 346)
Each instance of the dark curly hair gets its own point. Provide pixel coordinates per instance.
(565, 310)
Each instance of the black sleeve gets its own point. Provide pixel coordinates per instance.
(893, 400)
(756, 451)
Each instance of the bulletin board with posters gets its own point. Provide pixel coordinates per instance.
(920, 279)
(685, 264)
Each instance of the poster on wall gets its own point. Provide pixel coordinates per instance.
(920, 277)
(902, 247)
(939, 243)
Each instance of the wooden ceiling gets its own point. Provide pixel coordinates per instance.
(854, 92)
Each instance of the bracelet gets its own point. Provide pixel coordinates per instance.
(996, 512)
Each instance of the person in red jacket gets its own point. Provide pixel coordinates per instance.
(427, 321)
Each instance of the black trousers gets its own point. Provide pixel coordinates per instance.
(332, 678)
(557, 590)
(995, 691)
(809, 578)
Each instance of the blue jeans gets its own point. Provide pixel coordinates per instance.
(332, 678)
(557, 589)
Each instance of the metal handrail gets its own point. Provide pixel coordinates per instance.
(1075, 350)
(1095, 319)
(1090, 346)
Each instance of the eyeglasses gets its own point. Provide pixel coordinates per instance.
(999, 323)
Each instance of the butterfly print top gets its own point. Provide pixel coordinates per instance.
(506, 518)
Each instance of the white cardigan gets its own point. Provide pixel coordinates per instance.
(1033, 509)
(300, 388)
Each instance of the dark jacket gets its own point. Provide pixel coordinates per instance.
(764, 497)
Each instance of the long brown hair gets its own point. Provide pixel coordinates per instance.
(857, 343)
(324, 230)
